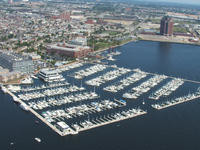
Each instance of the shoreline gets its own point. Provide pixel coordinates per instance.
(163, 39)
(107, 48)
(194, 44)
(152, 40)
(104, 49)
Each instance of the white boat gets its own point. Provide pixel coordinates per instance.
(28, 80)
(38, 139)
(24, 107)
(129, 96)
(13, 88)
(4, 89)
(74, 132)
(15, 99)
(111, 59)
(116, 53)
(34, 77)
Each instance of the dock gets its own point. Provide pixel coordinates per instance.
(186, 80)
(122, 102)
(111, 121)
(39, 116)
(175, 103)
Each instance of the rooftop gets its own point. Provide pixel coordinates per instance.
(11, 56)
(48, 71)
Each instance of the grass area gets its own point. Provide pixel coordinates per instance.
(180, 29)
(103, 45)
(112, 33)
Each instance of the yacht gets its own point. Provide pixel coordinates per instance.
(15, 99)
(49, 75)
(28, 80)
(4, 89)
(111, 59)
(24, 106)
(34, 77)
(129, 96)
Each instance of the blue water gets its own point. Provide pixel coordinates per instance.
(177, 127)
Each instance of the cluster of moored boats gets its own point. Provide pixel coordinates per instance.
(50, 102)
(144, 87)
(111, 75)
(80, 110)
(71, 66)
(115, 117)
(167, 89)
(115, 53)
(178, 100)
(62, 97)
(49, 92)
(35, 88)
(125, 82)
(89, 71)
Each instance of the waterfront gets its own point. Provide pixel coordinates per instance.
(168, 127)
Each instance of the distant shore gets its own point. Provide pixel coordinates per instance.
(158, 38)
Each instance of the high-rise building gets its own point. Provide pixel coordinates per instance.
(166, 26)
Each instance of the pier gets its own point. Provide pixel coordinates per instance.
(111, 121)
(122, 102)
(178, 100)
(186, 80)
(36, 114)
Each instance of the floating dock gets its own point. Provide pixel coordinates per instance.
(111, 121)
(174, 102)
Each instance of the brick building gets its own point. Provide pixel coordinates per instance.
(166, 26)
(74, 51)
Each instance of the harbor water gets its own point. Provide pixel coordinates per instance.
(175, 127)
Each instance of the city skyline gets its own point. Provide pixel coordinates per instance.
(176, 1)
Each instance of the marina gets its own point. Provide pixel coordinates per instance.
(55, 118)
(60, 103)
(72, 107)
(91, 95)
